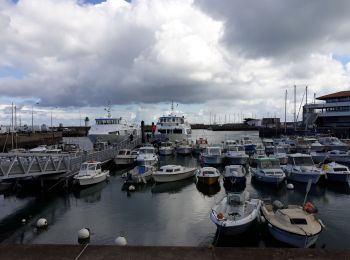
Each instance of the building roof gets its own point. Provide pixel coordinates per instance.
(339, 94)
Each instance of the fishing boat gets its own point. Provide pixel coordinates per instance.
(208, 175)
(212, 155)
(139, 174)
(124, 157)
(301, 168)
(235, 213)
(235, 154)
(183, 147)
(147, 156)
(200, 145)
(268, 170)
(166, 148)
(337, 172)
(279, 154)
(292, 225)
(234, 174)
(169, 173)
(90, 173)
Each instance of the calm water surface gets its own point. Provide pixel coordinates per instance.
(164, 214)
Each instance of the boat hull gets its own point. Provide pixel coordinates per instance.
(124, 161)
(291, 238)
(269, 179)
(235, 230)
(208, 180)
(92, 180)
(304, 177)
(163, 177)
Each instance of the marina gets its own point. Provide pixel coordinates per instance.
(151, 213)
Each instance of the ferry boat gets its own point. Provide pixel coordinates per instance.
(111, 130)
(173, 127)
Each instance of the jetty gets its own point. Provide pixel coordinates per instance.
(16, 166)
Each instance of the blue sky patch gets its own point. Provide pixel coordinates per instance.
(343, 59)
(10, 72)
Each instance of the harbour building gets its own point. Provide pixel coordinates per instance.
(334, 111)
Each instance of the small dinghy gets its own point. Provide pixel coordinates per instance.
(235, 213)
(294, 225)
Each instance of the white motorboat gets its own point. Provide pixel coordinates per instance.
(235, 154)
(339, 156)
(269, 146)
(170, 173)
(333, 143)
(292, 225)
(124, 157)
(268, 170)
(208, 175)
(317, 147)
(228, 143)
(173, 127)
(337, 172)
(200, 145)
(259, 153)
(39, 149)
(212, 155)
(234, 174)
(280, 154)
(111, 130)
(139, 174)
(301, 168)
(235, 213)
(248, 144)
(183, 147)
(91, 173)
(166, 148)
(147, 156)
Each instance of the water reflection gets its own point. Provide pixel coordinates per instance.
(92, 193)
(208, 190)
(172, 187)
(341, 188)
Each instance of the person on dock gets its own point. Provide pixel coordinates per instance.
(131, 137)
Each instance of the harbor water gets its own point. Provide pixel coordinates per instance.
(169, 214)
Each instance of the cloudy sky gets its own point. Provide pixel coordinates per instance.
(229, 58)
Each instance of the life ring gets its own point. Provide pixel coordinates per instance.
(309, 208)
(220, 215)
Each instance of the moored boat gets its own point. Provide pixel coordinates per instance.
(292, 225)
(166, 148)
(90, 173)
(208, 175)
(139, 174)
(268, 170)
(234, 174)
(235, 154)
(336, 172)
(147, 156)
(169, 173)
(212, 155)
(235, 213)
(124, 157)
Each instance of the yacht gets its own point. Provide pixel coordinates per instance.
(90, 173)
(235, 213)
(235, 154)
(173, 127)
(301, 168)
(111, 130)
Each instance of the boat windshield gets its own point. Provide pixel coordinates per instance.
(236, 169)
(303, 161)
(87, 167)
(339, 169)
(208, 172)
(269, 164)
(122, 152)
(215, 151)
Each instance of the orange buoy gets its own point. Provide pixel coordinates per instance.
(220, 215)
(309, 208)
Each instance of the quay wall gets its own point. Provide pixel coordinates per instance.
(28, 140)
(96, 252)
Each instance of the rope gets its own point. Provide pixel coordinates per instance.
(81, 252)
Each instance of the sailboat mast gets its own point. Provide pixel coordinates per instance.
(295, 107)
(285, 111)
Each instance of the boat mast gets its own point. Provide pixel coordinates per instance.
(285, 111)
(295, 107)
(172, 106)
(108, 109)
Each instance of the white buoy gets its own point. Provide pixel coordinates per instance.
(262, 219)
(24, 221)
(83, 233)
(41, 223)
(132, 188)
(290, 186)
(120, 241)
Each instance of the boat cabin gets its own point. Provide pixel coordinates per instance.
(91, 166)
(108, 121)
(268, 163)
(124, 152)
(147, 150)
(237, 198)
(171, 168)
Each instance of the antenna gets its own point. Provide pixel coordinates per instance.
(108, 109)
(172, 106)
